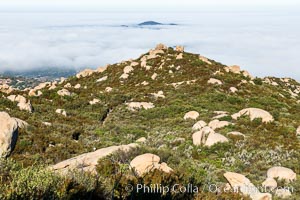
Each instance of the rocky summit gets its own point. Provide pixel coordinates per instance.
(167, 118)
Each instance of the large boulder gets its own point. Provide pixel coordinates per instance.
(214, 138)
(9, 133)
(200, 137)
(254, 113)
(191, 115)
(239, 182)
(88, 161)
(147, 162)
(282, 173)
(269, 183)
(298, 131)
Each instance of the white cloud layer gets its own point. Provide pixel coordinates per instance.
(264, 43)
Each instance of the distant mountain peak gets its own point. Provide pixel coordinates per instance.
(153, 23)
(149, 23)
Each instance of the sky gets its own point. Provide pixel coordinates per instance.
(135, 4)
(263, 40)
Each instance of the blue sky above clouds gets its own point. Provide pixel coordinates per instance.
(264, 39)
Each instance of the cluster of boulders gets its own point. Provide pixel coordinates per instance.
(23, 103)
(238, 182)
(160, 49)
(6, 89)
(36, 91)
(88, 161)
(128, 69)
(205, 133)
(89, 72)
(237, 70)
(292, 89)
(9, 130)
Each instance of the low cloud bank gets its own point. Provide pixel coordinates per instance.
(264, 44)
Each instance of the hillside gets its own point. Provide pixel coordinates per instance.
(191, 119)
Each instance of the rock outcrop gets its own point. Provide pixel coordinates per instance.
(6, 89)
(23, 104)
(88, 161)
(85, 73)
(9, 133)
(89, 72)
(254, 113)
(239, 182)
(147, 162)
(204, 59)
(179, 49)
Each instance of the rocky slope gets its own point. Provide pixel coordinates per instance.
(184, 114)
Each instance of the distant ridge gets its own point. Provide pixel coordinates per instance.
(154, 23)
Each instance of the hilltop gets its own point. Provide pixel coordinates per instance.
(166, 117)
